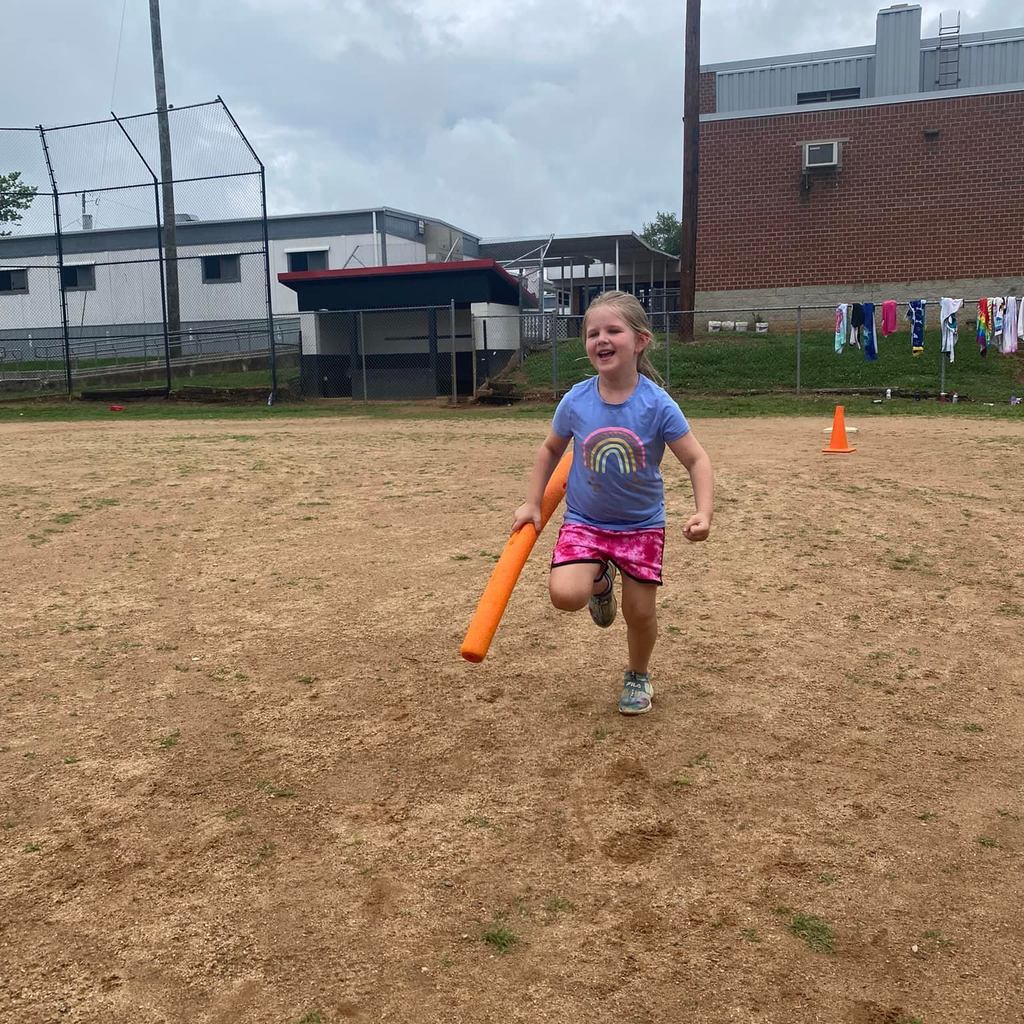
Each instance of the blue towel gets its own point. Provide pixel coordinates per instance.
(915, 314)
(870, 344)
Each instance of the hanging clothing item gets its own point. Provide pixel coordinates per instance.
(856, 324)
(888, 317)
(1020, 318)
(984, 326)
(948, 309)
(998, 306)
(842, 325)
(915, 314)
(870, 344)
(1011, 334)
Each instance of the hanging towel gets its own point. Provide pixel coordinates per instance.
(915, 314)
(1020, 318)
(856, 324)
(984, 326)
(947, 314)
(870, 344)
(998, 306)
(1010, 326)
(842, 324)
(888, 317)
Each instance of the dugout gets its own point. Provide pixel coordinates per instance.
(387, 332)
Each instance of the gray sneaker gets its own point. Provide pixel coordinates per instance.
(603, 607)
(637, 694)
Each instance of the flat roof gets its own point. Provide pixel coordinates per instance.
(414, 284)
(586, 248)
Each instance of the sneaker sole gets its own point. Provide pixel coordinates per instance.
(639, 711)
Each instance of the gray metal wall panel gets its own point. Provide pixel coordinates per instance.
(996, 63)
(898, 52)
(759, 88)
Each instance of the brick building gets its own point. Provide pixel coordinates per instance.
(897, 166)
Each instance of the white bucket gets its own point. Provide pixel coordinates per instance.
(728, 325)
(742, 325)
(761, 328)
(714, 326)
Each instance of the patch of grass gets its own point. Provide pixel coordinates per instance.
(71, 759)
(460, 558)
(264, 853)
(31, 848)
(307, 680)
(234, 813)
(313, 1017)
(973, 727)
(556, 905)
(171, 739)
(478, 820)
(940, 940)
(927, 816)
(815, 931)
(700, 761)
(275, 791)
(826, 878)
(600, 733)
(64, 518)
(500, 938)
(989, 842)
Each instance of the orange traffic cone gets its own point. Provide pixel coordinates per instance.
(838, 445)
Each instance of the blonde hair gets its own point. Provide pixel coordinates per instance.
(633, 313)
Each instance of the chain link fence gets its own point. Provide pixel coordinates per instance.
(117, 279)
(455, 353)
(792, 350)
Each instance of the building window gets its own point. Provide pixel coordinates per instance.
(13, 281)
(78, 279)
(828, 95)
(315, 259)
(221, 269)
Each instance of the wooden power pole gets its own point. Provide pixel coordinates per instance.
(167, 184)
(691, 166)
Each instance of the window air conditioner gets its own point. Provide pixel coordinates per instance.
(820, 154)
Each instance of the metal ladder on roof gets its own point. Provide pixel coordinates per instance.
(947, 53)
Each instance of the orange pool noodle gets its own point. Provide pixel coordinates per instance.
(499, 587)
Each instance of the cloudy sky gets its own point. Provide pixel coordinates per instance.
(503, 118)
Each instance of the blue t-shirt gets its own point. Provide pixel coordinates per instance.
(615, 482)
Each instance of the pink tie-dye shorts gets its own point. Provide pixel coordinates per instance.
(636, 553)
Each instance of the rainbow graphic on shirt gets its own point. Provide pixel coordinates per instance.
(612, 449)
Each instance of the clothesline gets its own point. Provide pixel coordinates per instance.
(1000, 321)
(801, 307)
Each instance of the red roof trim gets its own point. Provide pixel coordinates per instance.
(299, 276)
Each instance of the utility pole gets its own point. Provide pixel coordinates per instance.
(167, 184)
(691, 167)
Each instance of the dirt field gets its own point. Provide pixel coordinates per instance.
(244, 776)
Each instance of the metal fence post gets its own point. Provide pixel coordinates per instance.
(451, 329)
(554, 352)
(668, 352)
(362, 351)
(798, 350)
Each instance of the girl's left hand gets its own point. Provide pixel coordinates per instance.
(697, 527)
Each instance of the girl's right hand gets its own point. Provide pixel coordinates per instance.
(528, 512)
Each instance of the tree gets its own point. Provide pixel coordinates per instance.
(663, 233)
(14, 198)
